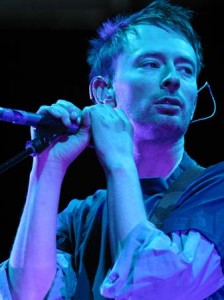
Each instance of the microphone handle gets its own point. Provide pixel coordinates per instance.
(32, 119)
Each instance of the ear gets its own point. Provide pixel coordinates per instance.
(100, 92)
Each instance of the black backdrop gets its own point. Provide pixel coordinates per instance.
(39, 66)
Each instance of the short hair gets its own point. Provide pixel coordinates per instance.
(111, 39)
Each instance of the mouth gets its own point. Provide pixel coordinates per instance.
(168, 105)
(169, 101)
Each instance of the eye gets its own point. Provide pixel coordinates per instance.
(151, 64)
(186, 70)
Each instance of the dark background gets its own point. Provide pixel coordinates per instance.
(42, 58)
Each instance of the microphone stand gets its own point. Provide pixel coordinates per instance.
(33, 148)
(48, 129)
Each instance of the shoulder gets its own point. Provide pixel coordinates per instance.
(213, 174)
(215, 168)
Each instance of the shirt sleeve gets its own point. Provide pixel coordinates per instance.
(4, 287)
(63, 286)
(184, 265)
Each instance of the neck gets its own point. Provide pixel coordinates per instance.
(158, 160)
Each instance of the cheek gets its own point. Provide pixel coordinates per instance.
(193, 98)
(191, 105)
(130, 90)
(190, 93)
(129, 99)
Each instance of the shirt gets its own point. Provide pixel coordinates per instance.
(153, 263)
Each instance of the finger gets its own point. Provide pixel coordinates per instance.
(64, 110)
(69, 106)
(74, 113)
(85, 116)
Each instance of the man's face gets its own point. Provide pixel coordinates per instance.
(155, 81)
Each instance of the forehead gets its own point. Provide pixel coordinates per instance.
(151, 38)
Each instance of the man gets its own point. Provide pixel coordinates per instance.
(113, 244)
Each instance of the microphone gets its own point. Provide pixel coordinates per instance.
(35, 120)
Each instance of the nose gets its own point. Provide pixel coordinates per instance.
(170, 81)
